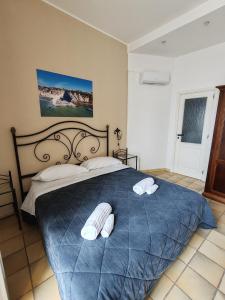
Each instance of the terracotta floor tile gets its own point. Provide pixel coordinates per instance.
(217, 205)
(203, 232)
(196, 187)
(9, 232)
(162, 288)
(222, 219)
(195, 286)
(186, 180)
(174, 271)
(207, 268)
(217, 238)
(47, 290)
(213, 252)
(15, 262)
(183, 183)
(35, 252)
(187, 254)
(177, 294)
(40, 271)
(165, 175)
(31, 236)
(27, 227)
(217, 212)
(196, 241)
(220, 228)
(174, 179)
(222, 285)
(11, 246)
(19, 284)
(29, 296)
(7, 222)
(219, 296)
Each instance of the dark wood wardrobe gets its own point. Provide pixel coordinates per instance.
(215, 182)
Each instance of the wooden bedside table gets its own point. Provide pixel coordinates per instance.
(6, 187)
(124, 156)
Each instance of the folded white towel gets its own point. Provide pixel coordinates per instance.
(141, 187)
(108, 227)
(152, 189)
(96, 221)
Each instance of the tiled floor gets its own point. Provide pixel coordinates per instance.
(28, 273)
(198, 274)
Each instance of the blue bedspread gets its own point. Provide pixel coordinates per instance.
(150, 232)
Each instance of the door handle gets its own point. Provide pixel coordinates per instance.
(180, 135)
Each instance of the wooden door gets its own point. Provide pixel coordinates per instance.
(215, 183)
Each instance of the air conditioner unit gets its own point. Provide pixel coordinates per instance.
(155, 77)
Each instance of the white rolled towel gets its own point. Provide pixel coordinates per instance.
(142, 186)
(96, 221)
(152, 189)
(108, 227)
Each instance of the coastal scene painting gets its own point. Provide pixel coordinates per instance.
(64, 96)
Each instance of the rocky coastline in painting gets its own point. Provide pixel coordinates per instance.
(63, 102)
(63, 97)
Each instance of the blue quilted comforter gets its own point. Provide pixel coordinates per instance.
(150, 232)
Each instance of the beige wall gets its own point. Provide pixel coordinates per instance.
(36, 35)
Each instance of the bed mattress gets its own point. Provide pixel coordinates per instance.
(150, 232)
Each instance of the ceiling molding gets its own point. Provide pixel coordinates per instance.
(82, 21)
(193, 15)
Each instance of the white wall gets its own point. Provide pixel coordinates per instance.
(197, 70)
(3, 284)
(148, 112)
(152, 110)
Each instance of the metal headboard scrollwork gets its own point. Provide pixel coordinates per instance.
(69, 134)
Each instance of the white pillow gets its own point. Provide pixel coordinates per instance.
(59, 172)
(100, 162)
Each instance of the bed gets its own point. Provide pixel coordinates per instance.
(150, 230)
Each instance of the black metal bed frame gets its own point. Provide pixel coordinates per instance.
(57, 133)
(6, 187)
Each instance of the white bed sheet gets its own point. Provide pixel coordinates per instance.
(39, 188)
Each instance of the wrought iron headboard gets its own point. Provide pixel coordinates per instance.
(57, 133)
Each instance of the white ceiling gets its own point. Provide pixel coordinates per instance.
(143, 24)
(126, 20)
(189, 38)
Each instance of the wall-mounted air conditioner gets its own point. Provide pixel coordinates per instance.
(155, 77)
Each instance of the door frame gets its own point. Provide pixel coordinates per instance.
(211, 124)
(3, 283)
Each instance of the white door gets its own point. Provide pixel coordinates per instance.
(196, 119)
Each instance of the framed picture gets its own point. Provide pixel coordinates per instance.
(64, 96)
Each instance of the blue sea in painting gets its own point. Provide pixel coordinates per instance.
(64, 96)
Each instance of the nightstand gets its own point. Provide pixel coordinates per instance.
(124, 156)
(6, 187)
